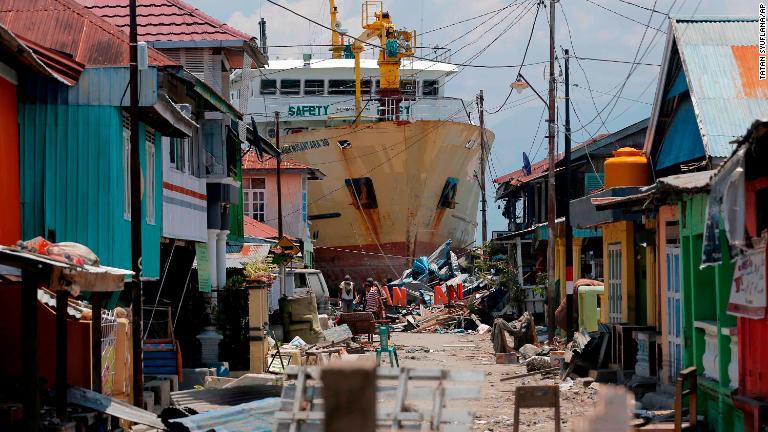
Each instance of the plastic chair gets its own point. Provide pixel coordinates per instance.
(384, 347)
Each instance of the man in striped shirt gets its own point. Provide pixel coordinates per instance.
(373, 302)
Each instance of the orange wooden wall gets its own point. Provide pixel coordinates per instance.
(10, 216)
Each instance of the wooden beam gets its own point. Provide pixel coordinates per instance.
(96, 336)
(349, 392)
(61, 354)
(30, 281)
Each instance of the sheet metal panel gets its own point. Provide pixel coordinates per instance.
(720, 62)
(72, 160)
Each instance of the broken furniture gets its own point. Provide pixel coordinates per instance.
(408, 399)
(385, 347)
(624, 353)
(361, 323)
(590, 300)
(685, 387)
(537, 397)
(299, 316)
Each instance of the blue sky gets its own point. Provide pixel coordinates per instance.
(594, 32)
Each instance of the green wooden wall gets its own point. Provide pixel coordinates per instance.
(705, 298)
(72, 181)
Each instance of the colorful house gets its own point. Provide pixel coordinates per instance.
(74, 141)
(739, 191)
(260, 196)
(210, 50)
(17, 60)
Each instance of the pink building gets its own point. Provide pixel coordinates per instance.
(260, 195)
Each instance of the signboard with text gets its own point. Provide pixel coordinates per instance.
(203, 267)
(748, 298)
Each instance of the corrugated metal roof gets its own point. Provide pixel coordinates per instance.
(40, 59)
(720, 58)
(209, 399)
(71, 29)
(249, 417)
(166, 20)
(256, 229)
(689, 182)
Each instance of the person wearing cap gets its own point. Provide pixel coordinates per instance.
(347, 294)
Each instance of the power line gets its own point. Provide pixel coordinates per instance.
(414, 56)
(525, 53)
(648, 26)
(643, 7)
(468, 19)
(610, 94)
(615, 61)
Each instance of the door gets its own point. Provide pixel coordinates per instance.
(674, 312)
(614, 283)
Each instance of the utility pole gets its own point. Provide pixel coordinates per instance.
(137, 302)
(279, 160)
(567, 206)
(483, 199)
(551, 197)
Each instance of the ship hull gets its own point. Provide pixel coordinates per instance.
(389, 187)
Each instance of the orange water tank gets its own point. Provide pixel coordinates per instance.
(627, 167)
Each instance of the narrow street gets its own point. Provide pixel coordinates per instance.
(495, 411)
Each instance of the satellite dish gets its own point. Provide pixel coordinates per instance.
(527, 170)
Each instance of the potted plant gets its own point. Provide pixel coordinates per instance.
(259, 272)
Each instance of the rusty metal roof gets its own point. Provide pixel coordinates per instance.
(72, 31)
(40, 59)
(720, 59)
(166, 20)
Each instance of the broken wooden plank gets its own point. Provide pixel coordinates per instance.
(527, 374)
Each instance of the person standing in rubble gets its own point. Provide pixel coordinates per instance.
(347, 294)
(373, 302)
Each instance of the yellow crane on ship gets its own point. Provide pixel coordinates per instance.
(393, 46)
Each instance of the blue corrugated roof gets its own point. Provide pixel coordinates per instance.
(725, 101)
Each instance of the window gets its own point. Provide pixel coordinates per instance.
(268, 87)
(430, 88)
(126, 172)
(254, 197)
(179, 153)
(408, 87)
(614, 283)
(149, 177)
(362, 193)
(448, 196)
(341, 87)
(314, 87)
(290, 87)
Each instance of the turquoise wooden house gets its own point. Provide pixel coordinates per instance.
(74, 141)
(706, 97)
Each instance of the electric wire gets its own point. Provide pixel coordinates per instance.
(647, 26)
(525, 53)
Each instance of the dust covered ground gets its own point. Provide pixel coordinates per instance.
(495, 411)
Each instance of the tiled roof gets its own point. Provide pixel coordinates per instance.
(166, 20)
(256, 229)
(72, 30)
(251, 161)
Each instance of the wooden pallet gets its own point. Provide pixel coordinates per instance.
(406, 399)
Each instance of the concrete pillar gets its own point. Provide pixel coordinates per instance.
(212, 256)
(221, 258)
(578, 243)
(258, 320)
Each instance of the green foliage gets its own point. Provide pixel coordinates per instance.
(542, 282)
(506, 272)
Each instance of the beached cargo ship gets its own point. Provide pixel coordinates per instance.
(401, 158)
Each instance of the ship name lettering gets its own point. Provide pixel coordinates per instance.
(307, 110)
(305, 145)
